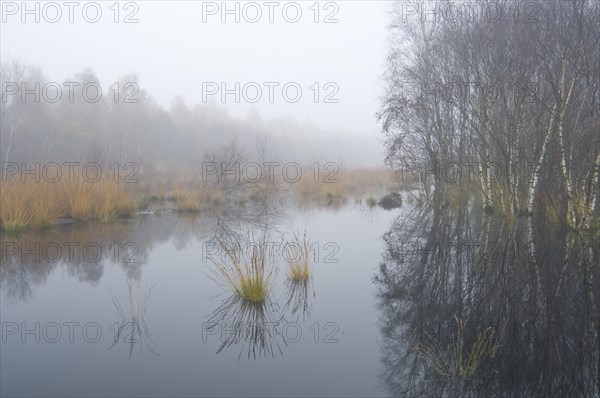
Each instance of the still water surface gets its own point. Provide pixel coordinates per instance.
(410, 302)
(153, 272)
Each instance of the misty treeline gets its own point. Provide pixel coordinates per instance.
(507, 107)
(126, 124)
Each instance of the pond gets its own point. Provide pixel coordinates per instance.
(409, 302)
(132, 308)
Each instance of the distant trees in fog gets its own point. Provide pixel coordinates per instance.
(82, 119)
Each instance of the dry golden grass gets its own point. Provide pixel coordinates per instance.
(26, 203)
(360, 182)
(195, 199)
(46, 206)
(187, 199)
(189, 193)
(15, 206)
(79, 199)
(32, 204)
(213, 197)
(335, 188)
(112, 201)
(102, 200)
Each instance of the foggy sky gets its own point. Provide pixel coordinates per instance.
(173, 52)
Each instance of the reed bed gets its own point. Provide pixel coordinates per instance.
(331, 189)
(197, 198)
(29, 204)
(16, 211)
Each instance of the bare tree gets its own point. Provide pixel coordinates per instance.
(12, 73)
(517, 100)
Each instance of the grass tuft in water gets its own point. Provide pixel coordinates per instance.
(299, 263)
(455, 361)
(246, 272)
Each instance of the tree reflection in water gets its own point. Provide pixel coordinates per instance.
(534, 284)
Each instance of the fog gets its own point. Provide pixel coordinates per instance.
(312, 198)
(308, 75)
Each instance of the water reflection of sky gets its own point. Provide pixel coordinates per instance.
(161, 282)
